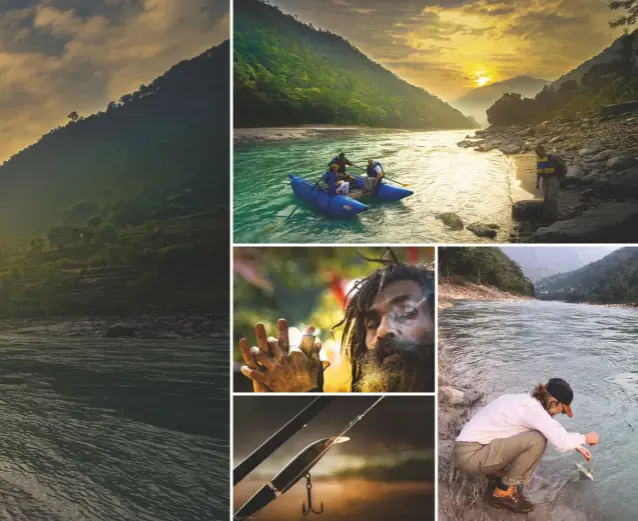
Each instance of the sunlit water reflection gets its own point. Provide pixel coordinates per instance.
(445, 178)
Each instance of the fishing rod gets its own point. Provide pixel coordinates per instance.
(280, 437)
(298, 468)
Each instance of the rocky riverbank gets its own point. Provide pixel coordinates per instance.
(599, 196)
(448, 292)
(142, 327)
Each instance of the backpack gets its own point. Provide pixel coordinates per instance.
(561, 168)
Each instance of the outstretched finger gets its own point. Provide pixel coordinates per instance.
(263, 358)
(253, 374)
(315, 349)
(262, 340)
(244, 347)
(275, 348)
(282, 334)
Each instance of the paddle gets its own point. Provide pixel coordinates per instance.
(385, 177)
(273, 226)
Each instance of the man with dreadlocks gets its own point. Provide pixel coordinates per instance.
(388, 338)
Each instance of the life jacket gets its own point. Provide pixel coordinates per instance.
(338, 161)
(550, 166)
(372, 169)
(329, 181)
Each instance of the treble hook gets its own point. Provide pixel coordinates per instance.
(305, 510)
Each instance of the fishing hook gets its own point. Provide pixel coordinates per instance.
(305, 510)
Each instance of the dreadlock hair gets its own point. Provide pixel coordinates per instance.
(362, 295)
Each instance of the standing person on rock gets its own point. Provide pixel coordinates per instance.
(506, 439)
(549, 169)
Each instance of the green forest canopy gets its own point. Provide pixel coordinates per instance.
(611, 280)
(288, 73)
(486, 266)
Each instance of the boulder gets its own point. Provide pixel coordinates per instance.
(450, 396)
(591, 149)
(464, 144)
(575, 173)
(452, 220)
(620, 163)
(557, 139)
(607, 223)
(602, 156)
(530, 210)
(512, 148)
(483, 230)
(620, 184)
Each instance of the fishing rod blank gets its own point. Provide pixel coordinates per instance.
(280, 437)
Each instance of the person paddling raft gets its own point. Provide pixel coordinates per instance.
(341, 161)
(375, 175)
(506, 439)
(333, 182)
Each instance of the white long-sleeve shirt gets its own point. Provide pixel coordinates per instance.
(514, 414)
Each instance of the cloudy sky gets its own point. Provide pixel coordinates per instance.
(57, 56)
(446, 45)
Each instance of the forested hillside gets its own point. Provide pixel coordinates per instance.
(611, 78)
(287, 73)
(124, 208)
(612, 279)
(486, 266)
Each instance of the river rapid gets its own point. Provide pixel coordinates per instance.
(508, 347)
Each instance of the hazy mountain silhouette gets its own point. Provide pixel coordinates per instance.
(606, 55)
(477, 101)
(612, 279)
(540, 263)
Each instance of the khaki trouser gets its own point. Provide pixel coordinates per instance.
(550, 186)
(370, 182)
(517, 456)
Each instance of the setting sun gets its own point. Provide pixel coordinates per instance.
(482, 80)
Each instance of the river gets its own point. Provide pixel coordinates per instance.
(113, 430)
(445, 178)
(505, 347)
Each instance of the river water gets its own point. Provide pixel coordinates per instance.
(445, 178)
(113, 430)
(504, 347)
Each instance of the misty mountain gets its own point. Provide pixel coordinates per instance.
(606, 55)
(612, 279)
(287, 72)
(542, 262)
(477, 101)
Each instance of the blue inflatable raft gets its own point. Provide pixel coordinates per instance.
(342, 205)
(318, 197)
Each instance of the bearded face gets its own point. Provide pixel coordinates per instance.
(399, 341)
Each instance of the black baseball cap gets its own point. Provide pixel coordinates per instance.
(561, 390)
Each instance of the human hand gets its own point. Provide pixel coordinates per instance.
(591, 438)
(283, 369)
(264, 346)
(585, 453)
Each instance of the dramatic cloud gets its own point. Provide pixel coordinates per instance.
(443, 46)
(57, 56)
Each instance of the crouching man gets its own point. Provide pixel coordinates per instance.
(506, 439)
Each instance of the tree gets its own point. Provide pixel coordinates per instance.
(631, 12)
(74, 116)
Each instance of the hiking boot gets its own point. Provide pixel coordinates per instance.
(510, 499)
